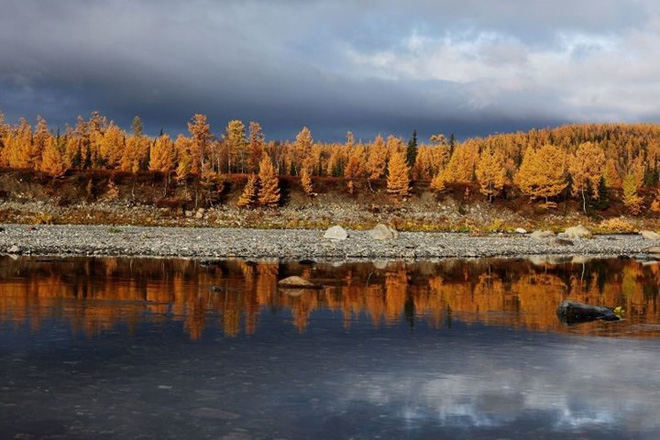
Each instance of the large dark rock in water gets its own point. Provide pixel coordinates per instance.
(571, 312)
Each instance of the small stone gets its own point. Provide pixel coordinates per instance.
(652, 250)
(540, 235)
(649, 235)
(578, 231)
(383, 232)
(336, 233)
(189, 213)
(14, 250)
(521, 231)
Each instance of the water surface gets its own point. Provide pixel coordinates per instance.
(151, 348)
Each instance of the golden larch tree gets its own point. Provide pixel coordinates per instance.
(182, 145)
(249, 196)
(200, 132)
(356, 163)
(376, 165)
(303, 150)
(53, 160)
(542, 173)
(398, 175)
(269, 191)
(135, 154)
(586, 167)
(111, 146)
(631, 197)
(306, 182)
(19, 146)
(236, 145)
(256, 147)
(462, 164)
(42, 137)
(491, 173)
(162, 155)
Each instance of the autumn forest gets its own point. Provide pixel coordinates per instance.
(584, 162)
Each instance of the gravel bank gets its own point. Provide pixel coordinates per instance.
(291, 244)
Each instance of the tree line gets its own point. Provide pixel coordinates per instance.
(585, 160)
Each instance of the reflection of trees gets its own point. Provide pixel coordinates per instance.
(98, 294)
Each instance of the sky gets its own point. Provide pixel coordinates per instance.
(469, 67)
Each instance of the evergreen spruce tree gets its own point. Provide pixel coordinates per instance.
(411, 150)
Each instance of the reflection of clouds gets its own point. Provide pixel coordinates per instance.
(598, 384)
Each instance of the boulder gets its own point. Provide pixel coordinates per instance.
(14, 250)
(200, 213)
(383, 232)
(296, 286)
(521, 231)
(294, 281)
(578, 231)
(571, 312)
(336, 233)
(541, 235)
(649, 235)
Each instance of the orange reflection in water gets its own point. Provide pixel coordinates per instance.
(96, 294)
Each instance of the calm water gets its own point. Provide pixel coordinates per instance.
(142, 348)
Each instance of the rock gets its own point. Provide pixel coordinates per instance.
(652, 250)
(383, 232)
(14, 250)
(571, 312)
(520, 231)
(578, 231)
(200, 213)
(580, 259)
(336, 233)
(649, 235)
(540, 235)
(294, 281)
(560, 242)
(296, 286)
(189, 213)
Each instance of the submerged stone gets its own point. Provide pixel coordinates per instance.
(571, 312)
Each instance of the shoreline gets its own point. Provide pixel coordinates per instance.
(294, 244)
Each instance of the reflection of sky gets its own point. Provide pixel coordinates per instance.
(467, 381)
(585, 384)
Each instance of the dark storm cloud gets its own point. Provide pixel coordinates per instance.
(468, 67)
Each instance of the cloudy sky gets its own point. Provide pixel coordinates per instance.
(470, 67)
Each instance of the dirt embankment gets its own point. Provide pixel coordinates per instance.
(152, 199)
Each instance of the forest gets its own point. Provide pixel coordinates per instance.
(591, 163)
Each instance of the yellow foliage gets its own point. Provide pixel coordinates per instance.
(306, 182)
(269, 192)
(631, 198)
(398, 180)
(491, 173)
(249, 196)
(542, 173)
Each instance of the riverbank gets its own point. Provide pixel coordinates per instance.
(294, 244)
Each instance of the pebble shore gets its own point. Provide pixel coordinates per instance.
(292, 244)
